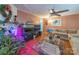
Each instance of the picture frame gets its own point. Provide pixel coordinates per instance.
(56, 22)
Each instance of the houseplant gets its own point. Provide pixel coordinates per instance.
(8, 46)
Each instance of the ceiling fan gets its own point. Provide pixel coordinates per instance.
(56, 13)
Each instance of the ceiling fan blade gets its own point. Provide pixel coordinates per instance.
(61, 11)
(57, 14)
(54, 14)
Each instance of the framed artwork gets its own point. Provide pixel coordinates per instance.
(56, 22)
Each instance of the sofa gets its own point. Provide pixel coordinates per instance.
(73, 37)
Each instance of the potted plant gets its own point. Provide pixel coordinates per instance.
(9, 47)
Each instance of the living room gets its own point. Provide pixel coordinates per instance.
(40, 29)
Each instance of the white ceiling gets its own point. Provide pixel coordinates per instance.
(42, 10)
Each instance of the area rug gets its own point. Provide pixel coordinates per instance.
(28, 50)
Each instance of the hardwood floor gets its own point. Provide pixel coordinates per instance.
(67, 48)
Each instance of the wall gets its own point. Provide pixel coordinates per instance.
(68, 22)
(23, 17)
(44, 24)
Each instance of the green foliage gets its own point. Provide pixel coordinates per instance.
(2, 10)
(2, 7)
(9, 47)
(4, 50)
